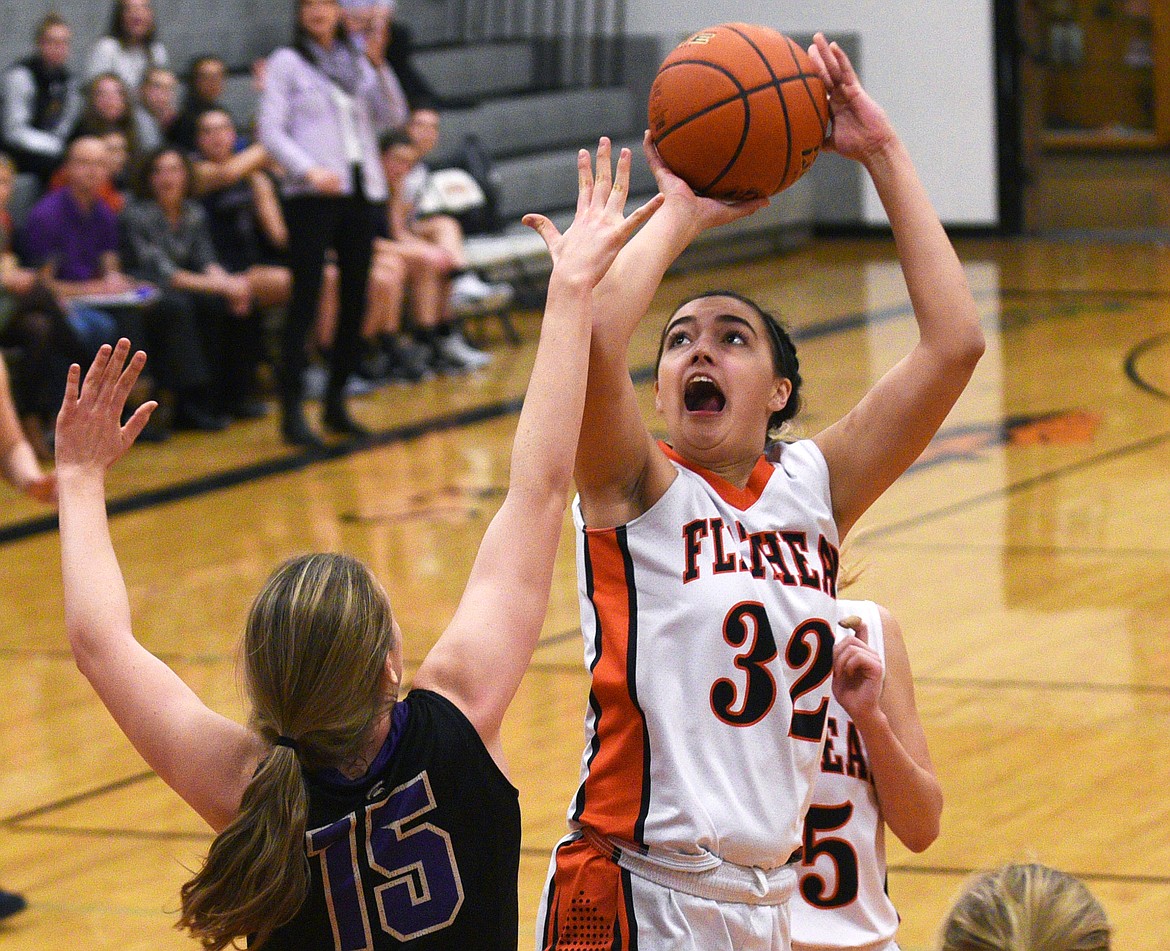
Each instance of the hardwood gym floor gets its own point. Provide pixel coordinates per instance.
(1026, 555)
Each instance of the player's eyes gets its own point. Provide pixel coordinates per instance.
(676, 338)
(736, 337)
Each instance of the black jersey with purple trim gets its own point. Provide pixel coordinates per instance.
(422, 852)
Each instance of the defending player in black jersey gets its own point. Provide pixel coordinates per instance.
(345, 817)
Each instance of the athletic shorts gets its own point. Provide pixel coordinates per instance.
(591, 904)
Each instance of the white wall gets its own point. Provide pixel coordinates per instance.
(930, 63)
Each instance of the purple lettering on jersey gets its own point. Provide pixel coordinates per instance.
(418, 888)
(424, 891)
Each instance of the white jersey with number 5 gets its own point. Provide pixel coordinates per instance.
(708, 628)
(841, 902)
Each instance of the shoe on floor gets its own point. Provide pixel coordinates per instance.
(11, 903)
(470, 292)
(456, 348)
(200, 420)
(337, 420)
(295, 430)
(443, 365)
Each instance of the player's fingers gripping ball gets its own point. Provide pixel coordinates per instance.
(738, 111)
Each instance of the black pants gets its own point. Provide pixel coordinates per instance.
(39, 328)
(183, 333)
(316, 223)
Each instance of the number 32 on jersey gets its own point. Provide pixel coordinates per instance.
(810, 648)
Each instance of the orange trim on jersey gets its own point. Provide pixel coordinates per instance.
(590, 907)
(743, 499)
(614, 786)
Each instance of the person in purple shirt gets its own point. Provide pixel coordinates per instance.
(323, 106)
(72, 232)
(71, 237)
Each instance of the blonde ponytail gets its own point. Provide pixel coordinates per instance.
(256, 875)
(314, 656)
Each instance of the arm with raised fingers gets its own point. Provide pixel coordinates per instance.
(620, 470)
(878, 440)
(481, 657)
(881, 705)
(203, 756)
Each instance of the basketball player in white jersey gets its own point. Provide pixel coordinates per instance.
(875, 772)
(708, 574)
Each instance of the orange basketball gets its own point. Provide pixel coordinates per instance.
(738, 111)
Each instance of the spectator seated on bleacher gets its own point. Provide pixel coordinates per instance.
(130, 47)
(377, 22)
(206, 81)
(42, 102)
(116, 185)
(43, 318)
(108, 108)
(434, 269)
(20, 469)
(435, 198)
(158, 108)
(205, 365)
(367, 21)
(247, 228)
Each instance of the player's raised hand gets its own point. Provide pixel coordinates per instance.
(90, 433)
(600, 226)
(710, 212)
(857, 670)
(861, 127)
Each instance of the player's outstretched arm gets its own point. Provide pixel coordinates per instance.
(878, 440)
(481, 657)
(18, 462)
(619, 470)
(206, 758)
(908, 790)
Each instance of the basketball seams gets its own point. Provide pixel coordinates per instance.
(741, 96)
(725, 107)
(779, 95)
(824, 123)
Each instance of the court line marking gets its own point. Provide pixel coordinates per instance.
(958, 683)
(925, 518)
(1016, 548)
(1134, 357)
(1086, 876)
(76, 798)
(99, 832)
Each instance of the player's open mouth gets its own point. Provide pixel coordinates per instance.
(702, 395)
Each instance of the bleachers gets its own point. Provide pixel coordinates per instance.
(517, 77)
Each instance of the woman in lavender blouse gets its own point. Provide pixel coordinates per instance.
(323, 106)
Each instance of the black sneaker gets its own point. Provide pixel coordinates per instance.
(336, 419)
(248, 409)
(11, 903)
(200, 420)
(444, 365)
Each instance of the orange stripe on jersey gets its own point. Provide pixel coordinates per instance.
(591, 908)
(616, 793)
(743, 499)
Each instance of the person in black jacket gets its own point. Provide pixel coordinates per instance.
(42, 101)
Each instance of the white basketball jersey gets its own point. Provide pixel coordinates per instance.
(841, 899)
(708, 628)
